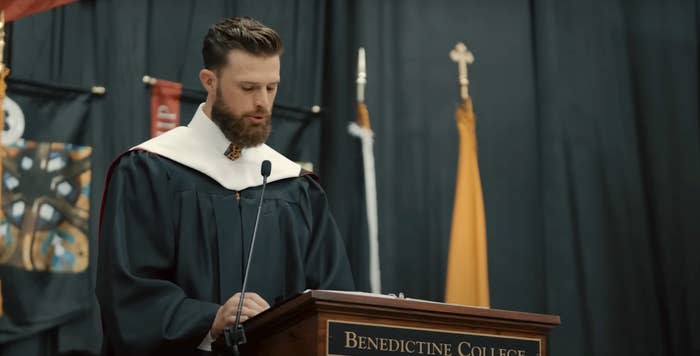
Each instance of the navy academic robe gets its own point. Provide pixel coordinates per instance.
(174, 243)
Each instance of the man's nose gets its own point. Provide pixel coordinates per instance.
(261, 98)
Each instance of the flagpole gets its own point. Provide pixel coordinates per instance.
(361, 128)
(4, 71)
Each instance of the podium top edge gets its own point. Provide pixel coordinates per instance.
(383, 301)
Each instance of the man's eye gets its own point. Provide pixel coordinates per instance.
(248, 88)
(272, 88)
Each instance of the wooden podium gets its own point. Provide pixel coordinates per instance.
(322, 322)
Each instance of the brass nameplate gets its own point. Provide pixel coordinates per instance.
(351, 339)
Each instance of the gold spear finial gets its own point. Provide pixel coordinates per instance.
(463, 57)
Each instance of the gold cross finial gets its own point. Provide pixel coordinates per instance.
(462, 56)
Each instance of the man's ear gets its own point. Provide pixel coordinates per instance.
(208, 79)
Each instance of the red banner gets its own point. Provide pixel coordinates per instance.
(165, 106)
(15, 9)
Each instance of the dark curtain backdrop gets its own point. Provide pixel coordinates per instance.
(411, 95)
(588, 129)
(617, 90)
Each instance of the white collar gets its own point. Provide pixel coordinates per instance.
(201, 146)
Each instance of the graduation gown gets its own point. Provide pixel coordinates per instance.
(174, 243)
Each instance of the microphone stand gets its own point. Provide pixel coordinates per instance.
(234, 336)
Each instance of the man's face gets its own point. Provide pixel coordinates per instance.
(245, 92)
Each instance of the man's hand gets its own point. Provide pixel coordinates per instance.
(253, 305)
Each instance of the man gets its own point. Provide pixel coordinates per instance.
(179, 211)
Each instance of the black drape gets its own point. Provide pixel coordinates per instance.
(411, 95)
(588, 144)
(587, 122)
(115, 43)
(58, 47)
(617, 109)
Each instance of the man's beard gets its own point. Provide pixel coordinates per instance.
(237, 129)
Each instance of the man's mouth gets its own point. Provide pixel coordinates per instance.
(257, 118)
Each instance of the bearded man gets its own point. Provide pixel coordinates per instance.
(179, 211)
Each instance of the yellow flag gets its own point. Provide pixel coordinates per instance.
(467, 266)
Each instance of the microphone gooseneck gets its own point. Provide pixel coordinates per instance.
(236, 336)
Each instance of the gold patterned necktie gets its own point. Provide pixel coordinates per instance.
(233, 152)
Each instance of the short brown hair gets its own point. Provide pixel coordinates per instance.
(242, 33)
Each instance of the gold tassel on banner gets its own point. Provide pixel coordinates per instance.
(363, 116)
(467, 266)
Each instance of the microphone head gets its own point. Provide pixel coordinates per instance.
(266, 168)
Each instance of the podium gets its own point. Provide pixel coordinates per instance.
(320, 322)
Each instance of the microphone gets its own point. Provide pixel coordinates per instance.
(236, 336)
(265, 170)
